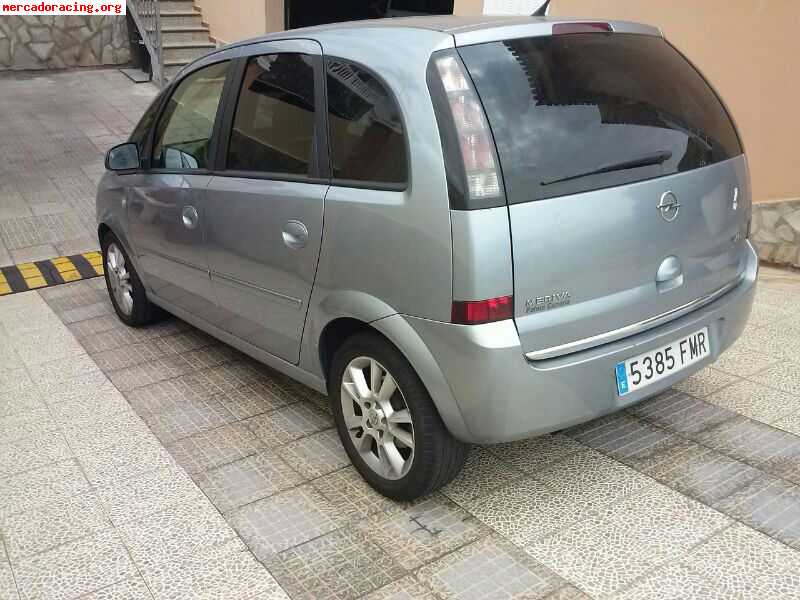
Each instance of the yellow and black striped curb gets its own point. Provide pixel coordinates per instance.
(46, 273)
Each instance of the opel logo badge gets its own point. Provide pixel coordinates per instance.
(669, 206)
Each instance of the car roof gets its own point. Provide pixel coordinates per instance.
(461, 28)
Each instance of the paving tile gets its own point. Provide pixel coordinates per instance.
(584, 484)
(20, 426)
(76, 568)
(768, 504)
(253, 399)
(423, 532)
(153, 492)
(51, 525)
(275, 524)
(247, 480)
(289, 423)
(784, 376)
(193, 528)
(70, 389)
(213, 448)
(340, 565)
(756, 401)
(407, 588)
(789, 423)
(45, 346)
(31, 452)
(706, 382)
(106, 432)
(235, 575)
(316, 455)
(489, 569)
(8, 587)
(15, 379)
(12, 403)
(735, 563)
(604, 553)
(533, 455)
(126, 460)
(352, 497)
(33, 253)
(130, 589)
(482, 473)
(176, 420)
(31, 489)
(67, 368)
(93, 404)
(149, 373)
(684, 414)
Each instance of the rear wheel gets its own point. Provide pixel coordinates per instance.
(125, 289)
(387, 421)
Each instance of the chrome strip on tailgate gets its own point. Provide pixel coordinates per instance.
(634, 328)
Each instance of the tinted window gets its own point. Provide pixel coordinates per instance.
(564, 106)
(183, 136)
(273, 130)
(139, 135)
(366, 131)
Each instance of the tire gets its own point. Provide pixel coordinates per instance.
(141, 311)
(436, 457)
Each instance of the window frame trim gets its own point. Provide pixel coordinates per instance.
(320, 168)
(358, 183)
(213, 59)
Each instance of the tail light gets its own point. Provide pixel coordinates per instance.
(478, 312)
(474, 139)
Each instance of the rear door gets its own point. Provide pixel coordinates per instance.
(628, 192)
(265, 207)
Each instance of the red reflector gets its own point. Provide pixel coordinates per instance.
(565, 28)
(483, 311)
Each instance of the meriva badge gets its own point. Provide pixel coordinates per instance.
(554, 300)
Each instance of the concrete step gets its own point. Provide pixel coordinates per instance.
(171, 69)
(177, 5)
(181, 18)
(186, 51)
(181, 35)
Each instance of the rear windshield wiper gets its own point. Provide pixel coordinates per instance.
(656, 158)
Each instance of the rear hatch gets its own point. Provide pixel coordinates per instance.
(628, 192)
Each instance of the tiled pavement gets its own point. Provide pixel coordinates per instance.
(159, 463)
(54, 131)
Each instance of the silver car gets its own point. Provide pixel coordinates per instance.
(462, 230)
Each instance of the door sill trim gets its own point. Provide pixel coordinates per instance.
(632, 329)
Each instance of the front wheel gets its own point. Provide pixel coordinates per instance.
(387, 421)
(125, 289)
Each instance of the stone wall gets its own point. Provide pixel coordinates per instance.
(776, 231)
(51, 42)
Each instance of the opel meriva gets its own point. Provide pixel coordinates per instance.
(460, 230)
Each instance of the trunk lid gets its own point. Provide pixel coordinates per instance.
(627, 189)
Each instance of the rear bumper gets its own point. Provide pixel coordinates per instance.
(502, 396)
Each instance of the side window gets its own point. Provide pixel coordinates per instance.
(183, 135)
(273, 130)
(366, 131)
(139, 135)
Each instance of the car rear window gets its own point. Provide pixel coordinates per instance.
(574, 113)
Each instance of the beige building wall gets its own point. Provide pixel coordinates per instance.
(749, 50)
(233, 20)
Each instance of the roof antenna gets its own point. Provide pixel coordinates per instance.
(542, 10)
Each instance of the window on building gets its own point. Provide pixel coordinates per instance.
(367, 141)
(273, 130)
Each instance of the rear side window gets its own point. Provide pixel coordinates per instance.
(573, 113)
(367, 141)
(273, 130)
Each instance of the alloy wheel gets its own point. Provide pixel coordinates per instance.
(119, 278)
(377, 418)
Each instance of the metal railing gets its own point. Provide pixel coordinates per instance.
(147, 16)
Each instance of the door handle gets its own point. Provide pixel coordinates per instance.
(295, 235)
(190, 217)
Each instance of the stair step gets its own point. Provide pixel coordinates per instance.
(187, 51)
(177, 5)
(177, 35)
(176, 18)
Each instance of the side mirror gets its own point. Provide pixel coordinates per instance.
(123, 157)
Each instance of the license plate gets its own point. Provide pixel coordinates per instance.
(649, 367)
